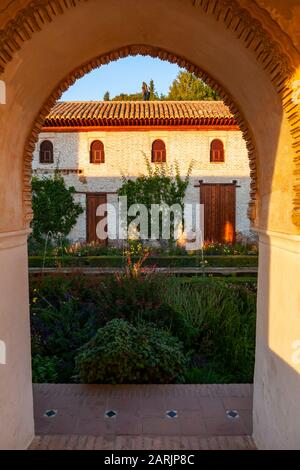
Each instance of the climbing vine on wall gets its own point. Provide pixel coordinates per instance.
(161, 185)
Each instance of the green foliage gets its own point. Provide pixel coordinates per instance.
(53, 206)
(157, 187)
(153, 93)
(209, 374)
(123, 353)
(61, 322)
(45, 369)
(126, 97)
(138, 96)
(142, 299)
(106, 96)
(250, 283)
(224, 316)
(157, 261)
(84, 249)
(222, 249)
(187, 87)
(213, 319)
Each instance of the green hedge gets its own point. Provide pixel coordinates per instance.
(200, 280)
(159, 261)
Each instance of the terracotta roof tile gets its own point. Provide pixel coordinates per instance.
(116, 113)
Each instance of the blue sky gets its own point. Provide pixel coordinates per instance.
(123, 76)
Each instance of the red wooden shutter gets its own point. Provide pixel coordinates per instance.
(97, 154)
(159, 154)
(46, 152)
(217, 151)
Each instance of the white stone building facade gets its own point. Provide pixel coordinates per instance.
(126, 150)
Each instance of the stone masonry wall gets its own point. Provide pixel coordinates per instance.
(125, 154)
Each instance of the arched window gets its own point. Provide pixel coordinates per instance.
(97, 154)
(159, 153)
(217, 151)
(46, 152)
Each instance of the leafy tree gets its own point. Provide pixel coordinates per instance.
(53, 206)
(190, 88)
(153, 93)
(185, 87)
(106, 96)
(160, 187)
(126, 97)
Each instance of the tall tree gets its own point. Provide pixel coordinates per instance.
(185, 87)
(190, 88)
(106, 96)
(153, 93)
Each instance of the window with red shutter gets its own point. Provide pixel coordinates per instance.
(159, 154)
(46, 152)
(97, 154)
(217, 154)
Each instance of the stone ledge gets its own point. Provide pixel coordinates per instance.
(281, 240)
(13, 239)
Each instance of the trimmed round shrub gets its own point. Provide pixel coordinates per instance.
(124, 353)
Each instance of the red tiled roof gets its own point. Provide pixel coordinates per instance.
(139, 113)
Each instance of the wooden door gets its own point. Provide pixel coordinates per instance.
(219, 212)
(93, 201)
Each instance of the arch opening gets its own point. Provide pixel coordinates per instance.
(237, 119)
(262, 88)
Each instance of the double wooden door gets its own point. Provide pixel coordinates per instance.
(93, 201)
(219, 202)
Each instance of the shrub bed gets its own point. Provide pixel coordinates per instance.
(158, 261)
(143, 329)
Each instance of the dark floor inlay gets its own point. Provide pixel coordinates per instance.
(232, 414)
(50, 413)
(110, 414)
(172, 414)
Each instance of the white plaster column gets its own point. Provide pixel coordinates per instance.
(16, 405)
(276, 410)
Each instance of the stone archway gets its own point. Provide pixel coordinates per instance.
(253, 28)
(236, 43)
(133, 50)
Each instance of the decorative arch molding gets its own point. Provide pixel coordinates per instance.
(238, 19)
(123, 52)
(253, 30)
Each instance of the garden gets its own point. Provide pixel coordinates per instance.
(142, 327)
(55, 213)
(138, 326)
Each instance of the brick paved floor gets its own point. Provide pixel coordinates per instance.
(76, 442)
(141, 422)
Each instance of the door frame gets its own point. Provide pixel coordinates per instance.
(233, 183)
(93, 193)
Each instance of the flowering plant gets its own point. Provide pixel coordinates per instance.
(135, 268)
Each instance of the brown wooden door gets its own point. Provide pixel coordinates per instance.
(219, 212)
(93, 200)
